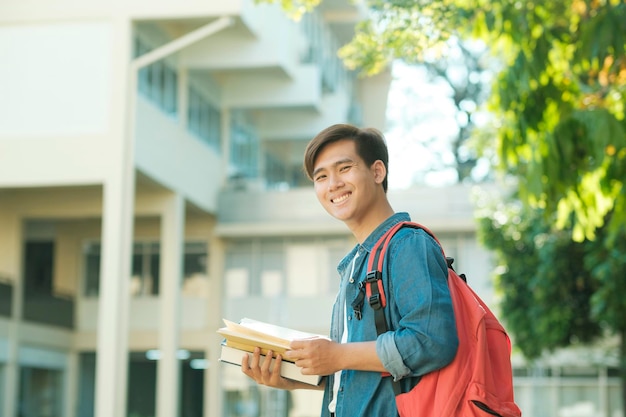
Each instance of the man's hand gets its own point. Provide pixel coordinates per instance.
(264, 375)
(316, 356)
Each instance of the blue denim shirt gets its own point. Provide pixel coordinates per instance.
(422, 335)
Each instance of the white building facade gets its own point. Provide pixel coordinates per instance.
(151, 185)
(121, 125)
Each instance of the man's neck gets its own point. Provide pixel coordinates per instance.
(375, 218)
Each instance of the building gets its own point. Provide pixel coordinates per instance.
(121, 125)
(150, 184)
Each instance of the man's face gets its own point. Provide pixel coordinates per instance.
(344, 185)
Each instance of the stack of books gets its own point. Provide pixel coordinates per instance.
(243, 337)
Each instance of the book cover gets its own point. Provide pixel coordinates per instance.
(233, 356)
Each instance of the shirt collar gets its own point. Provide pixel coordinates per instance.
(382, 228)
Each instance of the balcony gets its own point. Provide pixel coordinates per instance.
(6, 298)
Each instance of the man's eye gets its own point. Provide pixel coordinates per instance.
(320, 178)
(345, 168)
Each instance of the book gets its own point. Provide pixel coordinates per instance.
(290, 370)
(249, 333)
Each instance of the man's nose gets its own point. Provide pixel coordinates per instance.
(334, 181)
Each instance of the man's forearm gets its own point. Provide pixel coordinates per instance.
(359, 356)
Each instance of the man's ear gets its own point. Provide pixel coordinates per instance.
(379, 170)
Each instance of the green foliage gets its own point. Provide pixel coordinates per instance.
(559, 104)
(561, 109)
(548, 291)
(398, 29)
(559, 128)
(607, 263)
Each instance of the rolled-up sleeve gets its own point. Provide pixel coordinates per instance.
(422, 336)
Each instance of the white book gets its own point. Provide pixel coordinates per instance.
(288, 369)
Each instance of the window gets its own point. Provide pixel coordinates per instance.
(271, 267)
(158, 82)
(244, 149)
(92, 268)
(204, 119)
(318, 51)
(145, 269)
(195, 264)
(40, 297)
(6, 297)
(41, 392)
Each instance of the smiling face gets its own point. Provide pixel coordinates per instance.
(347, 188)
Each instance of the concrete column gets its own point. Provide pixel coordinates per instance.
(12, 231)
(112, 346)
(168, 366)
(117, 235)
(213, 393)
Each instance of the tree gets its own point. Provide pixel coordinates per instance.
(571, 292)
(559, 101)
(559, 107)
(542, 272)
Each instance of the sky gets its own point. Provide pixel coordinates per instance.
(420, 125)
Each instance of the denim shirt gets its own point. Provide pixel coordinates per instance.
(422, 334)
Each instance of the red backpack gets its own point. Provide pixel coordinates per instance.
(479, 381)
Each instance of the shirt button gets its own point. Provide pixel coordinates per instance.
(351, 280)
(349, 318)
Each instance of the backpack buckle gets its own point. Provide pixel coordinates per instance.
(373, 276)
(375, 301)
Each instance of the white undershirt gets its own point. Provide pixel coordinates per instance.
(344, 339)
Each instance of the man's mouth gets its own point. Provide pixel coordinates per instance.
(340, 199)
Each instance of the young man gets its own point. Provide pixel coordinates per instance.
(348, 167)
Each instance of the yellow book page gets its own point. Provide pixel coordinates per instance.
(250, 348)
(254, 341)
(252, 333)
(268, 331)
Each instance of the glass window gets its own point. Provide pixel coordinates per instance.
(158, 82)
(92, 268)
(170, 90)
(86, 384)
(196, 255)
(142, 375)
(204, 119)
(39, 296)
(300, 267)
(195, 270)
(145, 269)
(6, 299)
(239, 264)
(244, 149)
(41, 392)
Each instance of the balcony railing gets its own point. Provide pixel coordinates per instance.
(6, 299)
(49, 309)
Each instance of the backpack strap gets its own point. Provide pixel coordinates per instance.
(374, 290)
(375, 294)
